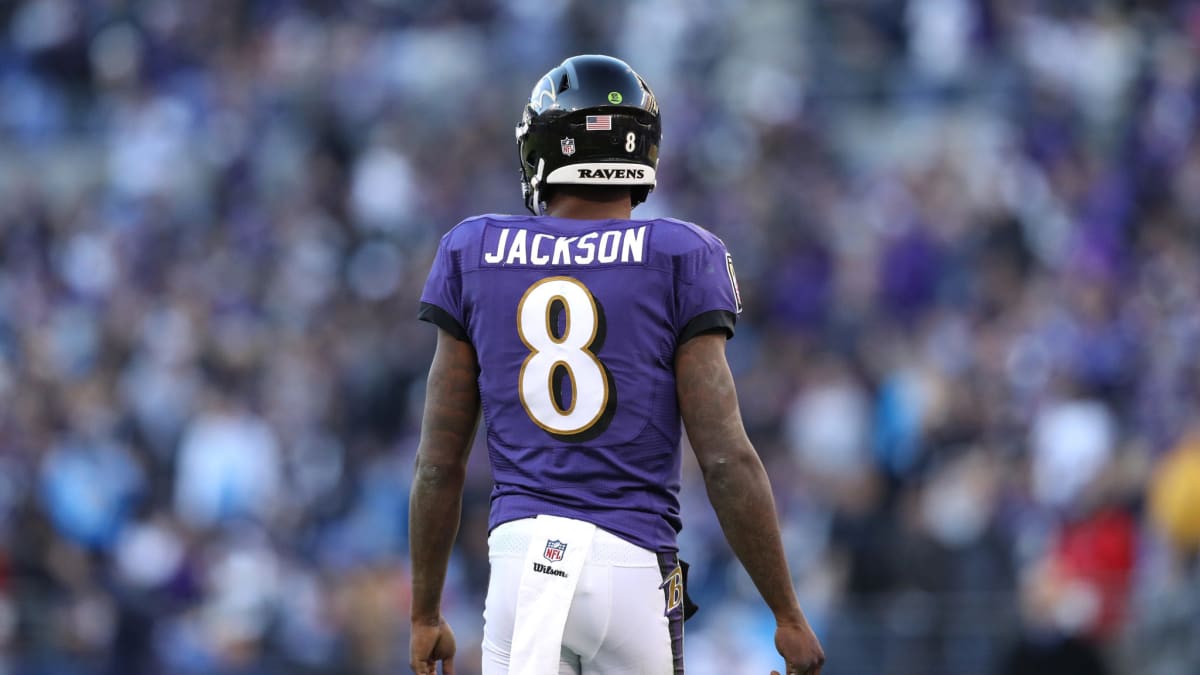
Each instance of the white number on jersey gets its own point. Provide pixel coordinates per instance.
(553, 357)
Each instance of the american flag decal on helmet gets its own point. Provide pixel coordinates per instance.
(598, 122)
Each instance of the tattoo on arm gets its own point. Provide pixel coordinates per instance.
(737, 483)
(435, 504)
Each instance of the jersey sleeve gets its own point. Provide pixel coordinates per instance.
(706, 292)
(441, 301)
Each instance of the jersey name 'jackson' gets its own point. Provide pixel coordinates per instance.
(517, 246)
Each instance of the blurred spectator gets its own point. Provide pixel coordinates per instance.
(1163, 636)
(1072, 441)
(228, 466)
(1055, 610)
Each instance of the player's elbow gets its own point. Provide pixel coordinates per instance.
(431, 473)
(728, 464)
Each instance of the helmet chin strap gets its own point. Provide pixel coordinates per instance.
(536, 184)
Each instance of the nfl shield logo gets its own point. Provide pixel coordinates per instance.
(554, 550)
(568, 146)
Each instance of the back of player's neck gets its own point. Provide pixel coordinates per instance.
(578, 208)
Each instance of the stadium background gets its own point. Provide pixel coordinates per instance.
(967, 236)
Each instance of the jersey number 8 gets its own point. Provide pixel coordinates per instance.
(555, 356)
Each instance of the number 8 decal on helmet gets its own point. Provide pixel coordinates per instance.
(555, 357)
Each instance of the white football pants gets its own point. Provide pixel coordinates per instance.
(616, 622)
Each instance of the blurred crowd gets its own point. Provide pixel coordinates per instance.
(968, 240)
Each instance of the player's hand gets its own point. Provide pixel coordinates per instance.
(430, 644)
(800, 649)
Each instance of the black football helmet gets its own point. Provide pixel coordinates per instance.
(590, 121)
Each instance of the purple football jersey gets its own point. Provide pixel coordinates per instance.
(575, 324)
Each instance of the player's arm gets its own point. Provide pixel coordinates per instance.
(435, 504)
(739, 490)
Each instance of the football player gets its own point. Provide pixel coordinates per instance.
(583, 336)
